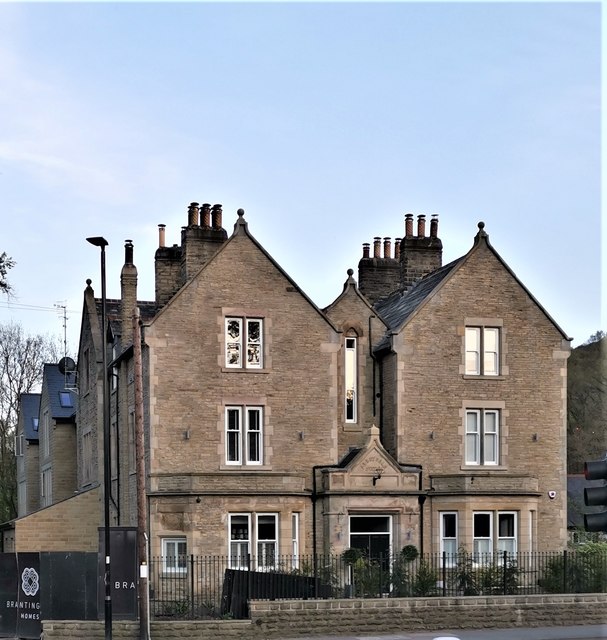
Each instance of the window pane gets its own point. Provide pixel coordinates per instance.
(254, 435)
(233, 342)
(490, 364)
(239, 528)
(449, 525)
(472, 421)
(491, 348)
(472, 449)
(472, 350)
(254, 335)
(233, 330)
(233, 435)
(372, 524)
(266, 527)
(253, 354)
(450, 546)
(254, 328)
(506, 525)
(233, 354)
(482, 525)
(350, 379)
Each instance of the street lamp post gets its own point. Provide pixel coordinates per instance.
(102, 244)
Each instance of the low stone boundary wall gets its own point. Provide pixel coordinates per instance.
(293, 618)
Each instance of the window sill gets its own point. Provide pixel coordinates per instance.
(240, 468)
(352, 426)
(468, 376)
(242, 370)
(484, 467)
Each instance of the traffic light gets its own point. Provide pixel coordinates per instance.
(595, 496)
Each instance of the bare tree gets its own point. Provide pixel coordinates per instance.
(587, 402)
(6, 263)
(21, 360)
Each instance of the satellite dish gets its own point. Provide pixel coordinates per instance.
(66, 365)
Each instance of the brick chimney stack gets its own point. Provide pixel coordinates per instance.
(421, 254)
(200, 239)
(378, 276)
(128, 295)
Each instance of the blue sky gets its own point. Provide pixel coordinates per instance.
(326, 122)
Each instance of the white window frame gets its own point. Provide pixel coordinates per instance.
(482, 438)
(507, 543)
(480, 358)
(351, 379)
(267, 548)
(46, 441)
(242, 345)
(295, 540)
(19, 446)
(482, 546)
(239, 548)
(46, 487)
(389, 532)
(446, 542)
(172, 560)
(244, 435)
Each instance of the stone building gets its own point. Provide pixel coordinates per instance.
(424, 406)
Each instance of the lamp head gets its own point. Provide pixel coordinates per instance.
(98, 241)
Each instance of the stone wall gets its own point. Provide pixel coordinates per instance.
(283, 619)
(70, 525)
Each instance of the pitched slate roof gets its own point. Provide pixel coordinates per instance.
(113, 310)
(30, 408)
(55, 383)
(398, 306)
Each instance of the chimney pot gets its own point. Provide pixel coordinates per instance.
(128, 252)
(408, 225)
(206, 215)
(216, 212)
(397, 248)
(421, 226)
(434, 226)
(387, 248)
(193, 214)
(365, 249)
(377, 247)
(161, 234)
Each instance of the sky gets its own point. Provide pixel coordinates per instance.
(325, 122)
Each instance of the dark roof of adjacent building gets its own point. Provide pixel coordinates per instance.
(60, 388)
(113, 310)
(30, 409)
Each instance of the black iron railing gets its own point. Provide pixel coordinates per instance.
(197, 587)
